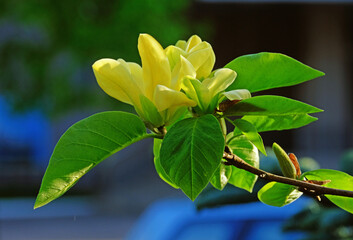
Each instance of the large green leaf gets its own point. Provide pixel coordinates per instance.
(191, 152)
(247, 151)
(221, 176)
(278, 194)
(339, 180)
(270, 105)
(83, 146)
(265, 70)
(250, 133)
(277, 123)
(157, 163)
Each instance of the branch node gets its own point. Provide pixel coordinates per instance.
(263, 175)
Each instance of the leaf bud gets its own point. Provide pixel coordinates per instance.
(287, 167)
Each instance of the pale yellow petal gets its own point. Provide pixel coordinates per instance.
(220, 81)
(136, 73)
(192, 42)
(238, 94)
(165, 98)
(194, 89)
(155, 64)
(182, 69)
(203, 59)
(115, 79)
(173, 53)
(181, 44)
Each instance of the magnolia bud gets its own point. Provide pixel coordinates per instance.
(287, 167)
(295, 162)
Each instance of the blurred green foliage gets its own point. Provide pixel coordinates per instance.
(47, 47)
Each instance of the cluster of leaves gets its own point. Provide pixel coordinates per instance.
(47, 48)
(190, 155)
(325, 221)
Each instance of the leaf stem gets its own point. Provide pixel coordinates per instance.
(305, 187)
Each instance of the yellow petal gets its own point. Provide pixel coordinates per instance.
(115, 78)
(182, 69)
(192, 42)
(220, 81)
(136, 73)
(155, 64)
(173, 53)
(166, 98)
(181, 44)
(203, 59)
(196, 91)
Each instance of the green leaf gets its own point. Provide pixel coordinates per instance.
(250, 133)
(270, 105)
(339, 180)
(157, 163)
(278, 194)
(83, 146)
(221, 176)
(150, 112)
(277, 123)
(191, 152)
(247, 151)
(257, 72)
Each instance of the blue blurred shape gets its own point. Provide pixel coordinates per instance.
(177, 219)
(24, 135)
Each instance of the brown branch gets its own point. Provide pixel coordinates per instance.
(305, 187)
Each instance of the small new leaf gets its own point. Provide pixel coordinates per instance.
(221, 176)
(278, 194)
(250, 132)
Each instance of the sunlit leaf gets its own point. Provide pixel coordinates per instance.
(278, 194)
(261, 71)
(83, 146)
(250, 133)
(270, 105)
(277, 123)
(339, 180)
(247, 151)
(221, 176)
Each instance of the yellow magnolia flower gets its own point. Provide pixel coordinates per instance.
(209, 92)
(199, 53)
(154, 90)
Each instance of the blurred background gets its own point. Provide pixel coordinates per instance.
(47, 49)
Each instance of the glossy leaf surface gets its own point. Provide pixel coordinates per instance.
(191, 152)
(270, 105)
(339, 180)
(247, 151)
(250, 133)
(277, 123)
(83, 146)
(261, 71)
(278, 194)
